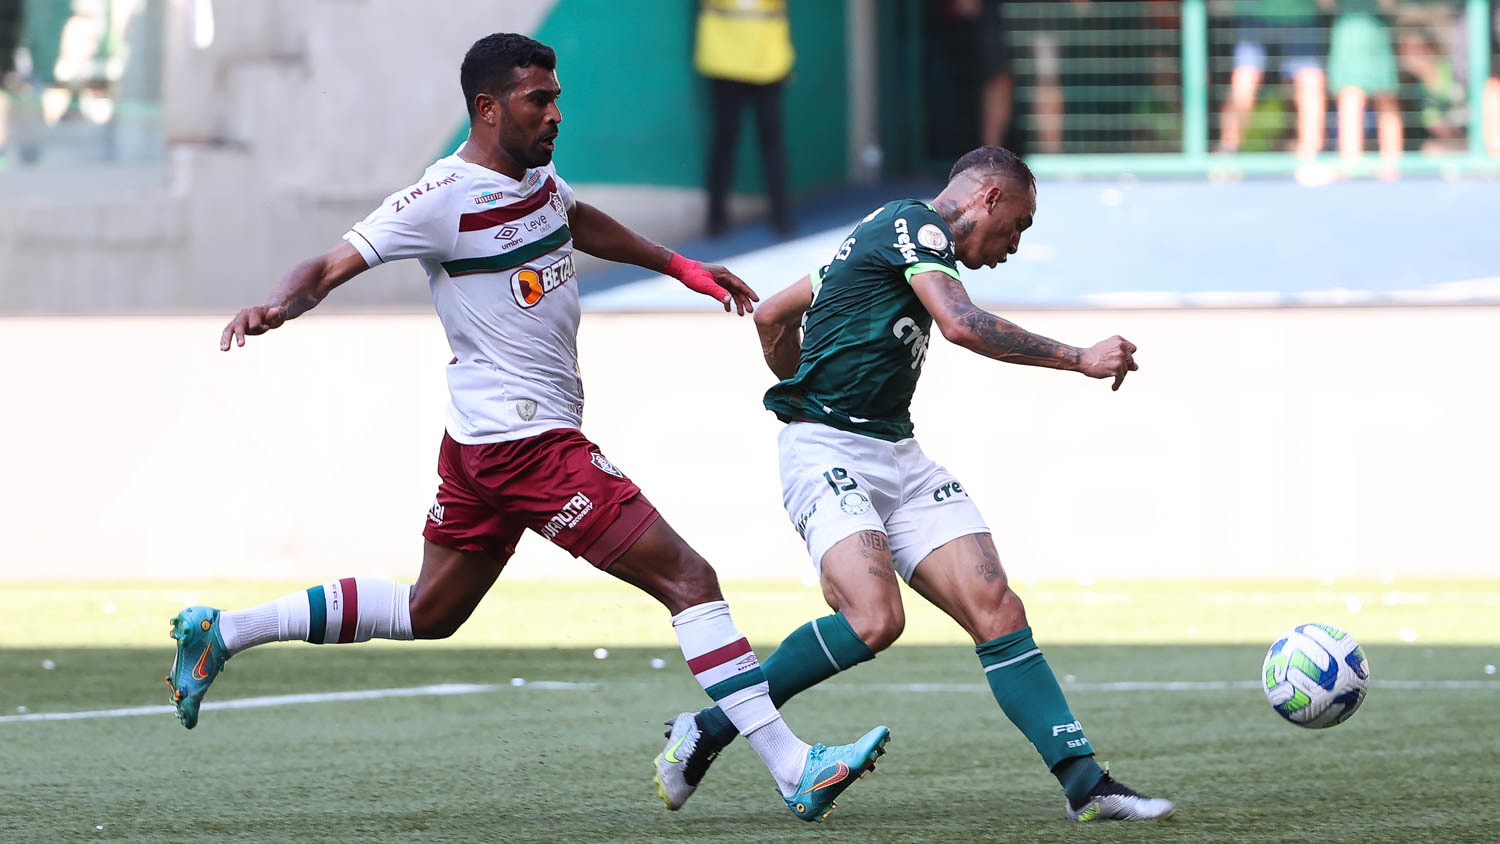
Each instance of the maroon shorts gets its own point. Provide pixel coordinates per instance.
(557, 483)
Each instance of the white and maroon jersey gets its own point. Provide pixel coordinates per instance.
(499, 260)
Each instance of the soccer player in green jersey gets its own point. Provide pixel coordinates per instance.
(871, 505)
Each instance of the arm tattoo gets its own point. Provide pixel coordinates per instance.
(1002, 339)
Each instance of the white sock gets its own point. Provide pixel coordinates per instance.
(355, 609)
(728, 670)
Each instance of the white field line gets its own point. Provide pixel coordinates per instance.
(441, 690)
(449, 689)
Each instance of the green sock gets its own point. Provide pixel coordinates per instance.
(814, 652)
(1027, 691)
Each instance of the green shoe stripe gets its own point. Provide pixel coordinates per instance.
(317, 606)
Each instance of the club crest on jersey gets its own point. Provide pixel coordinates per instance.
(529, 286)
(932, 237)
(854, 503)
(604, 465)
(556, 200)
(526, 409)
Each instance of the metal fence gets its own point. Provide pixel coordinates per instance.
(1204, 85)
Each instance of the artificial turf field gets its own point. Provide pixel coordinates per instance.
(567, 756)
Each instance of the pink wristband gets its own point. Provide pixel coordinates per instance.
(695, 277)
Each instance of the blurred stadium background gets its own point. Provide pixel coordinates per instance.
(1311, 435)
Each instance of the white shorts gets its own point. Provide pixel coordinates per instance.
(835, 484)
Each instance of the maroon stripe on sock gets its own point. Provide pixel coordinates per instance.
(718, 656)
(351, 610)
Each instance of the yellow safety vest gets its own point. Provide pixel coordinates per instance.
(744, 40)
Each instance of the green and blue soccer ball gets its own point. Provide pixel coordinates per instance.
(1316, 676)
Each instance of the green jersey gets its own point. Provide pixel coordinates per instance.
(865, 337)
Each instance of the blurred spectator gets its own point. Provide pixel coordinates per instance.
(11, 24)
(1492, 93)
(1439, 101)
(1288, 28)
(84, 67)
(1044, 37)
(744, 47)
(1361, 66)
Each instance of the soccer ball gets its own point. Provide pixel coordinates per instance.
(1316, 675)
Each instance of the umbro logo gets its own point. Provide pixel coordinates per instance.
(507, 232)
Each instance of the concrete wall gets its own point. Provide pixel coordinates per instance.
(302, 114)
(1277, 443)
(294, 123)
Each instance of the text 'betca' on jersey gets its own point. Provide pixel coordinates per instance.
(866, 335)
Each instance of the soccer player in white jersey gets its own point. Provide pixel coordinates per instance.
(848, 343)
(495, 226)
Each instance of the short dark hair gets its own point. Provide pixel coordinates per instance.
(490, 63)
(995, 160)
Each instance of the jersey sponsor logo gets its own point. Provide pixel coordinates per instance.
(854, 503)
(435, 513)
(526, 409)
(908, 332)
(903, 242)
(507, 232)
(533, 177)
(529, 286)
(932, 237)
(569, 516)
(947, 491)
(604, 465)
(419, 190)
(489, 198)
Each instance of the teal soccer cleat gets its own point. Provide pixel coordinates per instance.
(830, 770)
(200, 657)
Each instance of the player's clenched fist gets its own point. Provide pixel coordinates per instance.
(251, 321)
(1112, 358)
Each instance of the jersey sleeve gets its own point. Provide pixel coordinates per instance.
(414, 222)
(916, 241)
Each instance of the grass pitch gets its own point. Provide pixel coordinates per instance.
(567, 756)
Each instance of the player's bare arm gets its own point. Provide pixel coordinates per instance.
(966, 324)
(298, 292)
(602, 236)
(779, 324)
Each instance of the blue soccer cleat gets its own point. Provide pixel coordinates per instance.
(830, 770)
(200, 657)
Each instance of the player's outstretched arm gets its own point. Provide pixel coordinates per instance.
(966, 324)
(779, 324)
(298, 292)
(602, 236)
